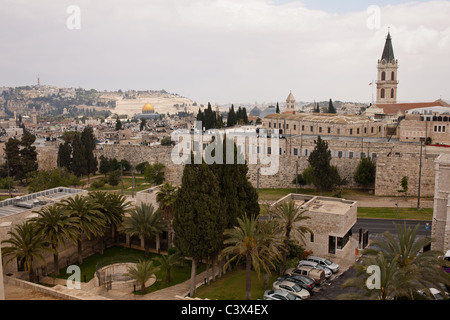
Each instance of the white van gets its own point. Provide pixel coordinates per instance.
(334, 267)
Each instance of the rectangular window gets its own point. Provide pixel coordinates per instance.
(270, 124)
(331, 244)
(312, 128)
(339, 154)
(371, 130)
(303, 128)
(287, 126)
(357, 131)
(320, 129)
(350, 155)
(269, 150)
(338, 131)
(312, 237)
(295, 152)
(329, 130)
(351, 131)
(295, 127)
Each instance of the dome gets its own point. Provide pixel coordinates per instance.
(148, 107)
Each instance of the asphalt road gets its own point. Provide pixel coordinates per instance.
(378, 226)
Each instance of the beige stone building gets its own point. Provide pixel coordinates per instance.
(441, 211)
(323, 124)
(387, 74)
(331, 220)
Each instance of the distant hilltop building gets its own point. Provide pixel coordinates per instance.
(148, 112)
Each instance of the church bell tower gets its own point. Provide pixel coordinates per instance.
(387, 74)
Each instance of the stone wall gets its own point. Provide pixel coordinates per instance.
(346, 155)
(392, 168)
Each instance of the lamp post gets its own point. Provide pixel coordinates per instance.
(420, 174)
(296, 177)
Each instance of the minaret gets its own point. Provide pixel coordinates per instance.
(290, 102)
(387, 74)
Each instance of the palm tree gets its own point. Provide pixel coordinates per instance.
(407, 248)
(56, 226)
(289, 219)
(142, 272)
(113, 207)
(169, 262)
(404, 268)
(392, 282)
(91, 222)
(145, 223)
(166, 199)
(26, 244)
(248, 240)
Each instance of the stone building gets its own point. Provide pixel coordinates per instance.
(324, 124)
(441, 211)
(331, 221)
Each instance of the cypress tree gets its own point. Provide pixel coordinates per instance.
(278, 109)
(79, 162)
(197, 216)
(65, 155)
(331, 108)
(88, 141)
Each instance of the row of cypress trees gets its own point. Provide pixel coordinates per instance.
(210, 199)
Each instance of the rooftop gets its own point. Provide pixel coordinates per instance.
(34, 200)
(321, 117)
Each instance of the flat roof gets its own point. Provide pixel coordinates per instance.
(35, 200)
(332, 118)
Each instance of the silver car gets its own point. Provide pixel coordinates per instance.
(334, 267)
(292, 288)
(315, 265)
(279, 295)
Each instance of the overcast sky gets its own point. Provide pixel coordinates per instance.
(227, 51)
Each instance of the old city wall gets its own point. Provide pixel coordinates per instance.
(395, 158)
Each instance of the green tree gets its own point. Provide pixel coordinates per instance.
(231, 117)
(43, 179)
(114, 178)
(168, 262)
(331, 108)
(104, 166)
(405, 266)
(404, 185)
(249, 241)
(119, 125)
(141, 167)
(26, 245)
(28, 155)
(88, 141)
(166, 198)
(65, 155)
(79, 162)
(277, 110)
(365, 172)
(145, 223)
(56, 227)
(90, 220)
(290, 220)
(113, 207)
(143, 271)
(155, 173)
(198, 222)
(324, 176)
(143, 124)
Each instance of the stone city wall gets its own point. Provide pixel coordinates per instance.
(346, 154)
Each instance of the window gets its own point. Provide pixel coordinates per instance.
(339, 154)
(270, 124)
(338, 131)
(332, 244)
(329, 130)
(371, 130)
(357, 131)
(351, 131)
(279, 126)
(295, 152)
(306, 152)
(350, 155)
(392, 75)
(383, 76)
(320, 129)
(303, 128)
(312, 237)
(295, 127)
(269, 150)
(383, 94)
(392, 93)
(312, 128)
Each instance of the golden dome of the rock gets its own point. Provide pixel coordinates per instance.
(148, 107)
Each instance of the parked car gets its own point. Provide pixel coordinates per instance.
(334, 267)
(315, 265)
(315, 274)
(291, 287)
(303, 281)
(279, 295)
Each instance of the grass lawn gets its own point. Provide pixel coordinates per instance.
(232, 286)
(139, 182)
(391, 213)
(121, 254)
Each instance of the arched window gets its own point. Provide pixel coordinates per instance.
(392, 93)
(382, 93)
(383, 76)
(393, 76)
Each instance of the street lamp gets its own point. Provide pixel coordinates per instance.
(296, 177)
(420, 173)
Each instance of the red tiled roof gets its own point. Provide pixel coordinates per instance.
(394, 108)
